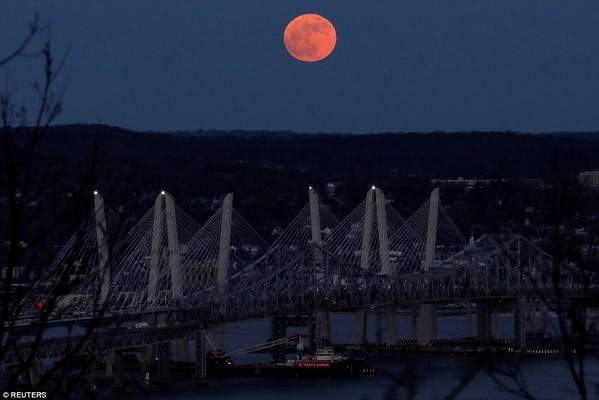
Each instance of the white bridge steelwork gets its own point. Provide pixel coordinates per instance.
(183, 277)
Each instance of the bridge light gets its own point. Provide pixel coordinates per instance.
(309, 187)
(95, 193)
(163, 192)
(373, 187)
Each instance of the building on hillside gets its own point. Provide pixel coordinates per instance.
(589, 179)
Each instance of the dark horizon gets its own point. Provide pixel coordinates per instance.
(299, 133)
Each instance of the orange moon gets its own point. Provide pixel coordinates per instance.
(310, 38)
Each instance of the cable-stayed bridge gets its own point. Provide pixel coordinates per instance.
(182, 278)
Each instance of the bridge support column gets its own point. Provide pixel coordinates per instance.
(278, 330)
(531, 316)
(426, 324)
(162, 353)
(217, 336)
(201, 368)
(92, 376)
(519, 323)
(470, 321)
(321, 334)
(545, 318)
(180, 350)
(378, 321)
(390, 330)
(484, 317)
(145, 361)
(35, 373)
(414, 321)
(114, 368)
(539, 318)
(495, 325)
(591, 320)
(360, 327)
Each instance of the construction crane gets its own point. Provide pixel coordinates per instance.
(299, 339)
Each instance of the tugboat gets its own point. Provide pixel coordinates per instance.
(324, 363)
(324, 358)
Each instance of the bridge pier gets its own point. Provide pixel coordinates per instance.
(360, 327)
(321, 329)
(378, 320)
(180, 350)
(114, 368)
(390, 329)
(426, 320)
(145, 361)
(531, 316)
(519, 323)
(545, 318)
(484, 322)
(538, 320)
(425, 324)
(592, 321)
(35, 373)
(92, 376)
(278, 330)
(217, 336)
(414, 321)
(201, 368)
(163, 358)
(470, 321)
(223, 264)
(495, 325)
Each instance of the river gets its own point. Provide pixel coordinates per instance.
(429, 376)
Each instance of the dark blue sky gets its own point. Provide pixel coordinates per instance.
(418, 65)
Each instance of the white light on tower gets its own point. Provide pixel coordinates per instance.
(163, 193)
(309, 187)
(373, 187)
(95, 193)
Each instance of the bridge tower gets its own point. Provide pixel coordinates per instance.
(222, 267)
(390, 328)
(315, 229)
(383, 234)
(375, 207)
(103, 277)
(164, 214)
(322, 326)
(361, 316)
(367, 231)
(426, 324)
(164, 206)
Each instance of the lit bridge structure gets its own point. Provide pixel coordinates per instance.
(180, 282)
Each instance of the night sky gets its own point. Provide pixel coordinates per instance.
(418, 65)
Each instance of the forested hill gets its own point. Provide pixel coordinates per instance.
(468, 154)
(270, 171)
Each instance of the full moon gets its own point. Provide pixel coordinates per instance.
(310, 38)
